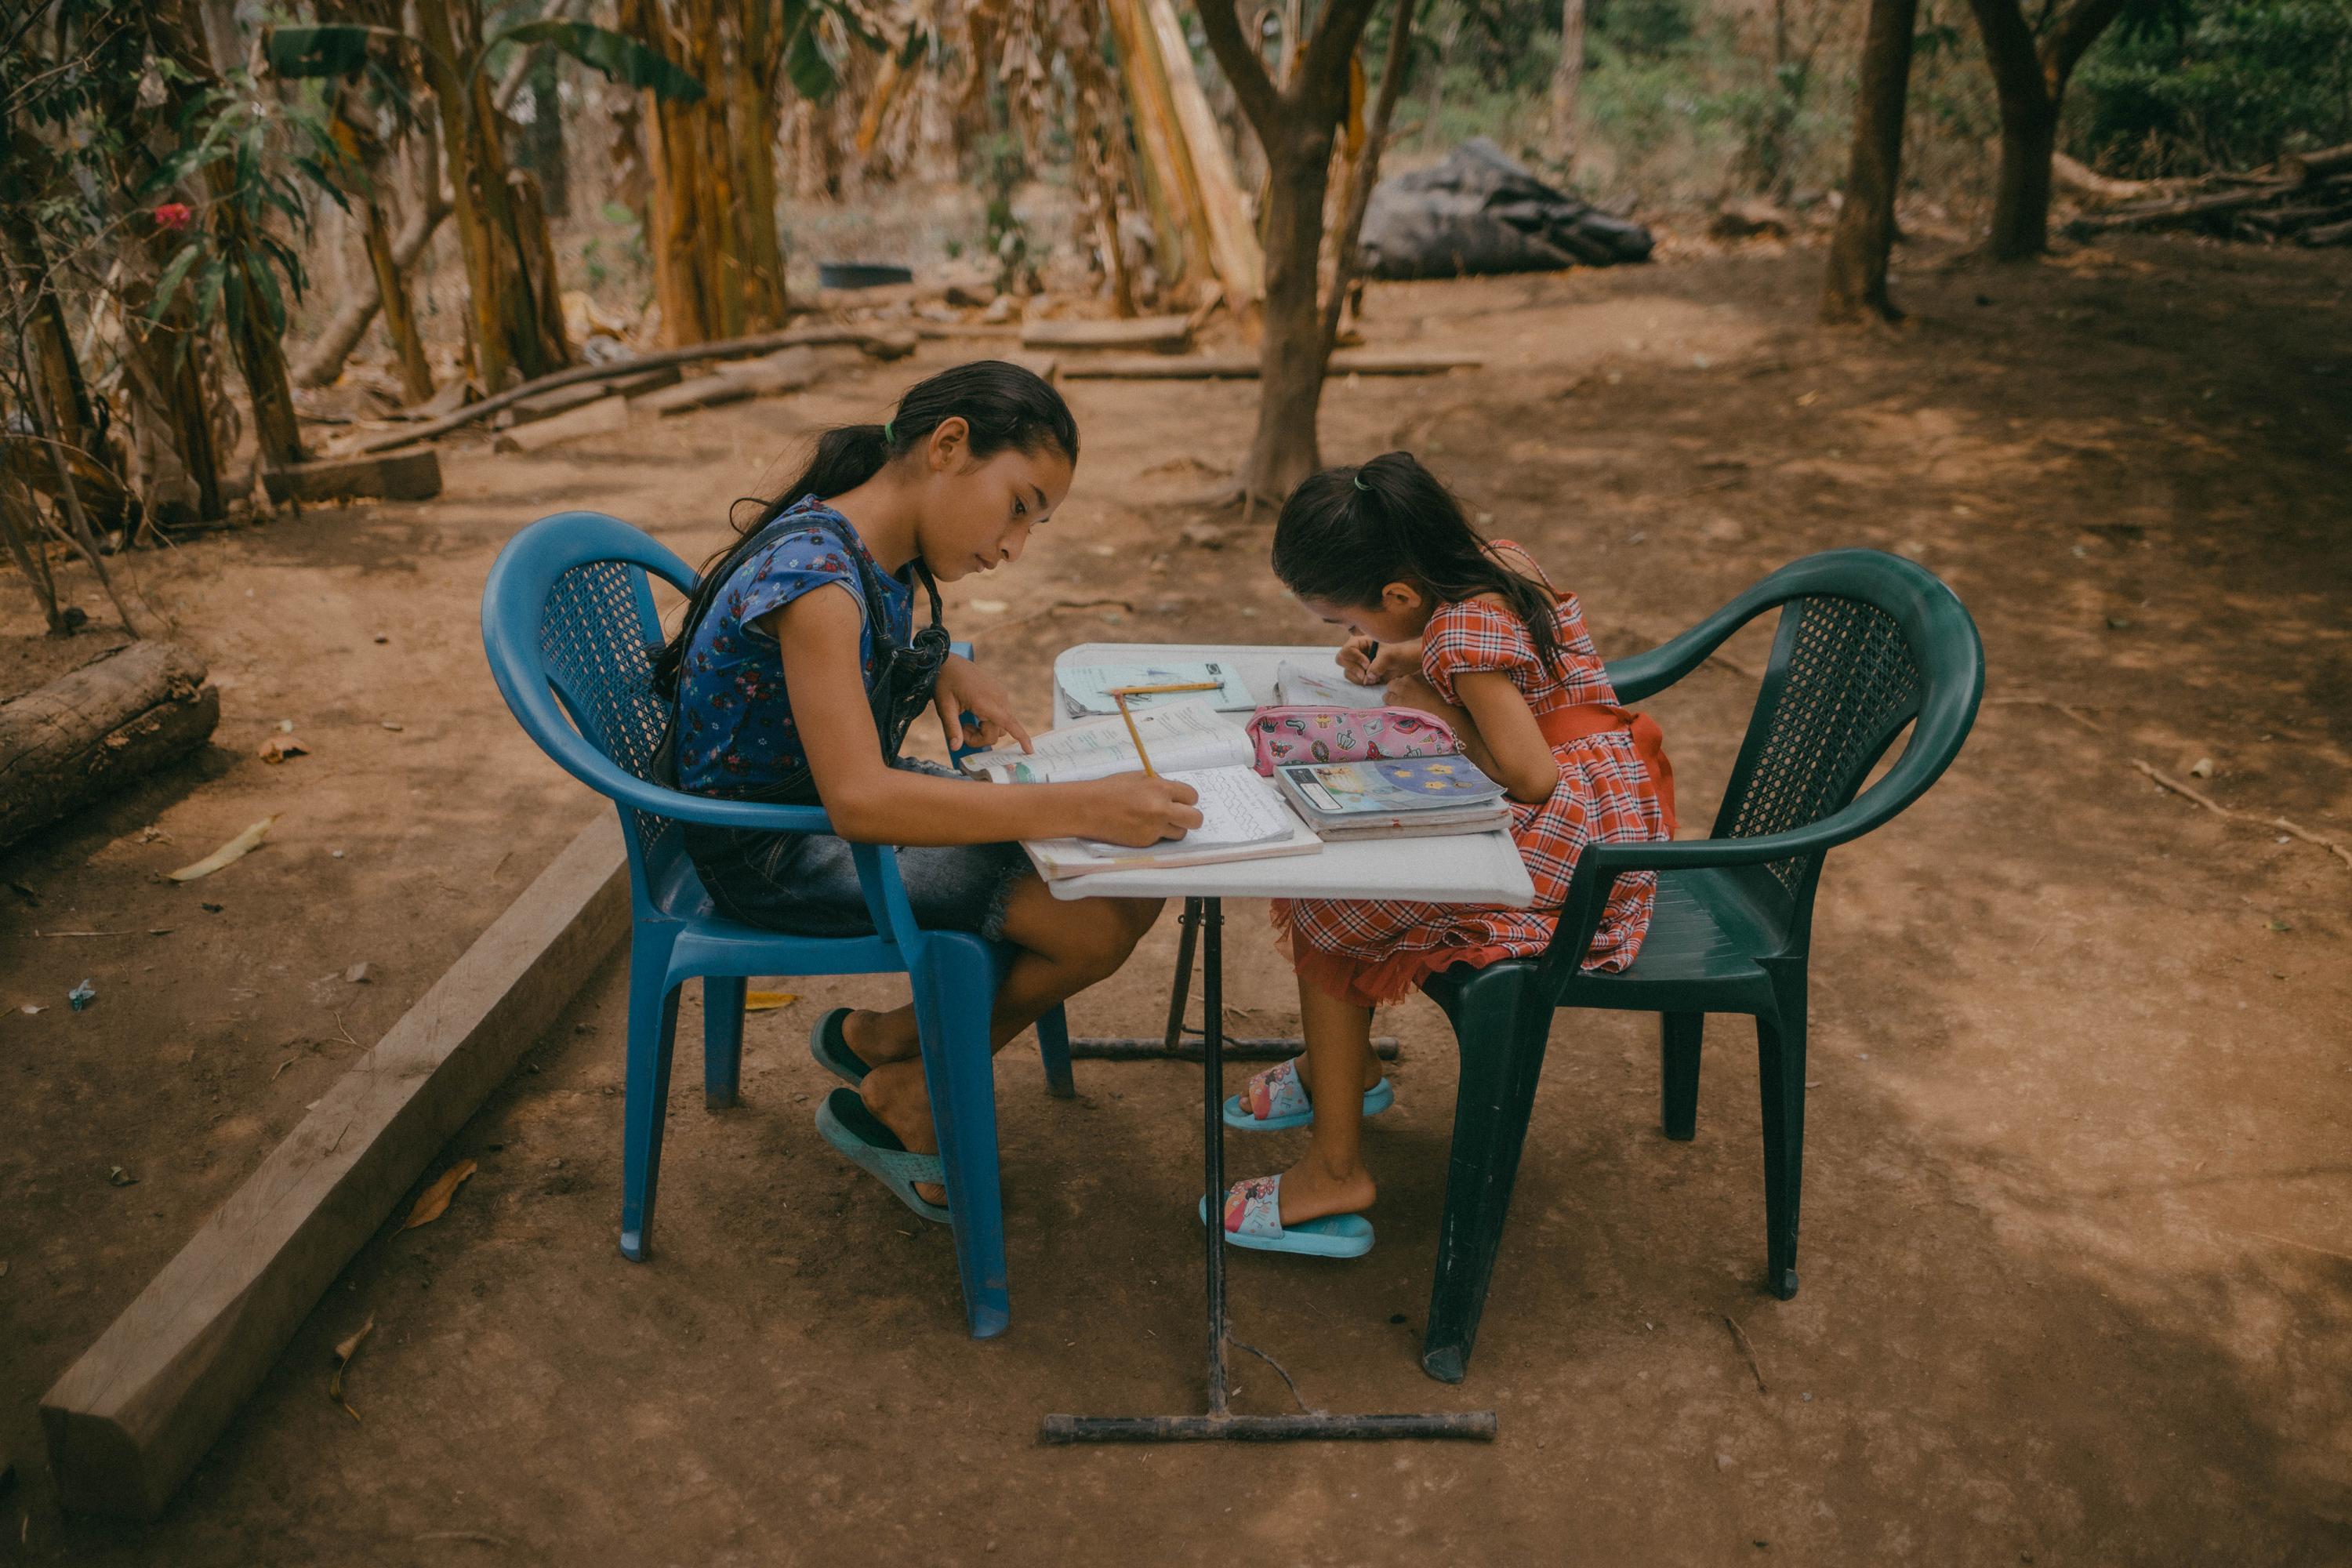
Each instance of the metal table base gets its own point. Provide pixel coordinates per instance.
(1204, 920)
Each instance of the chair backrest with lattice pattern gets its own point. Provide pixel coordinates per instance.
(598, 633)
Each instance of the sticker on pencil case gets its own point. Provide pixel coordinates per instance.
(1282, 735)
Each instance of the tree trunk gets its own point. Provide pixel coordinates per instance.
(543, 152)
(752, 125)
(2029, 69)
(2021, 208)
(1290, 382)
(336, 341)
(1294, 127)
(1367, 170)
(1856, 284)
(392, 295)
(1566, 80)
(510, 330)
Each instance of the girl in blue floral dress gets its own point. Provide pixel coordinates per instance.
(794, 675)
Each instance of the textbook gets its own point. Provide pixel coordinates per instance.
(1243, 818)
(1404, 797)
(1179, 736)
(1086, 688)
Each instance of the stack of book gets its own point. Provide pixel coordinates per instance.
(1411, 797)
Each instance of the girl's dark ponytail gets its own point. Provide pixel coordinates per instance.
(1346, 533)
(1001, 404)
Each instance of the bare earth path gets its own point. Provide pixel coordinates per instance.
(2076, 1244)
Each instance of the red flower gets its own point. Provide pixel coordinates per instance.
(173, 215)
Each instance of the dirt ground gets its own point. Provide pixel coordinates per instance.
(2075, 1249)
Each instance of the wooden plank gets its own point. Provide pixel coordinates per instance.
(697, 392)
(562, 399)
(1160, 334)
(90, 732)
(786, 371)
(601, 417)
(1245, 367)
(129, 1419)
(398, 476)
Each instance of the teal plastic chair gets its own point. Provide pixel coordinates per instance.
(568, 627)
(1868, 643)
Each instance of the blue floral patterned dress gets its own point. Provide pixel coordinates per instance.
(736, 737)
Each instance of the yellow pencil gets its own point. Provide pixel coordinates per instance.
(1135, 735)
(1154, 690)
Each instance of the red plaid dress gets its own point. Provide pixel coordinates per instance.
(1377, 950)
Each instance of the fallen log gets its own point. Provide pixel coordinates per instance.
(564, 399)
(601, 417)
(786, 371)
(398, 476)
(1159, 334)
(1245, 367)
(883, 345)
(129, 1420)
(86, 734)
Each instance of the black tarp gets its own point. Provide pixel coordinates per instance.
(1480, 212)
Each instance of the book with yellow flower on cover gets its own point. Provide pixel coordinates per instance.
(1402, 797)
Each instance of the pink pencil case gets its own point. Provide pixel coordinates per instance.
(1347, 735)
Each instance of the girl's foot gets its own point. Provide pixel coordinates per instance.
(1310, 1191)
(876, 1038)
(1278, 1097)
(895, 1094)
(1257, 1215)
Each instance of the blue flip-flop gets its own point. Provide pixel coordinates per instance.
(1258, 1225)
(1287, 1099)
(830, 1046)
(849, 1126)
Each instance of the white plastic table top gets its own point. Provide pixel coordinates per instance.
(1458, 869)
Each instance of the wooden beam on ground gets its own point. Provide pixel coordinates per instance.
(398, 476)
(90, 732)
(1245, 367)
(1159, 334)
(129, 1419)
(886, 344)
(564, 399)
(601, 417)
(787, 371)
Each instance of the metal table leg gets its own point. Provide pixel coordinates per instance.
(1206, 917)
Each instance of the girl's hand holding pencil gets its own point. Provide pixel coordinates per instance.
(1135, 809)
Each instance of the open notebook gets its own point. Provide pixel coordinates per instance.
(1243, 816)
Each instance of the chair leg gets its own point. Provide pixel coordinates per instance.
(653, 1030)
(1678, 1042)
(1780, 1071)
(722, 1038)
(952, 1003)
(1502, 1058)
(1054, 1047)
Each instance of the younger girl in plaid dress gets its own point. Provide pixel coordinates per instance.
(1474, 633)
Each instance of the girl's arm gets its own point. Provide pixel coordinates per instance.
(821, 637)
(1516, 754)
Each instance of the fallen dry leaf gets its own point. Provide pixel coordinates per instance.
(236, 849)
(344, 1353)
(279, 748)
(435, 1201)
(768, 1001)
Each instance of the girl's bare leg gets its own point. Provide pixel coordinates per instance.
(1065, 947)
(1332, 1179)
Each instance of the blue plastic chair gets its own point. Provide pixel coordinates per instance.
(568, 624)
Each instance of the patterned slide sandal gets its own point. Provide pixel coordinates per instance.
(831, 1048)
(849, 1126)
(1254, 1220)
(1285, 1100)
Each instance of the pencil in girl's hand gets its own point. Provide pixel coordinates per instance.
(1135, 736)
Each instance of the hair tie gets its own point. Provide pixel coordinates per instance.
(1361, 486)
(887, 439)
